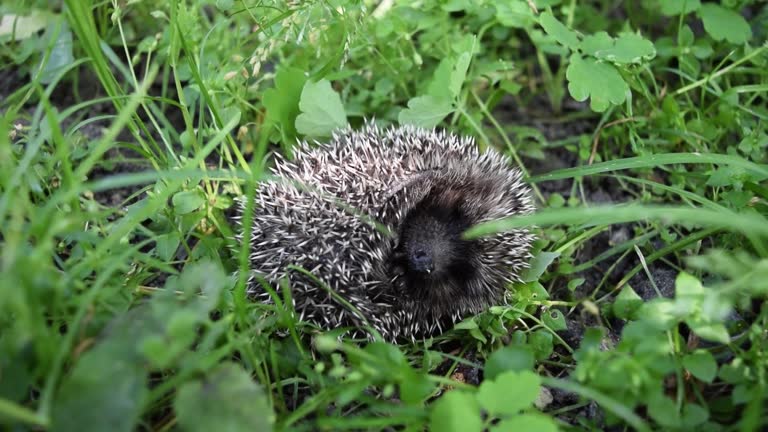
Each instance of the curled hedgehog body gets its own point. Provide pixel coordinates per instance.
(378, 216)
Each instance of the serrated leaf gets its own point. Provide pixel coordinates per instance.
(601, 82)
(456, 411)
(509, 393)
(554, 319)
(702, 365)
(509, 358)
(628, 48)
(627, 303)
(678, 7)
(187, 201)
(724, 24)
(321, 110)
(526, 422)
(558, 30)
(425, 111)
(227, 399)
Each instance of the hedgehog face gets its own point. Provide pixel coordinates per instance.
(433, 263)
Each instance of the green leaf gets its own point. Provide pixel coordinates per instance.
(678, 7)
(688, 287)
(24, 27)
(167, 244)
(599, 41)
(716, 332)
(724, 24)
(105, 391)
(321, 110)
(559, 31)
(538, 265)
(509, 358)
(282, 101)
(588, 78)
(541, 341)
(664, 411)
(61, 52)
(227, 399)
(425, 111)
(554, 319)
(526, 422)
(459, 74)
(509, 393)
(514, 13)
(702, 365)
(627, 303)
(188, 201)
(441, 79)
(456, 411)
(694, 415)
(628, 48)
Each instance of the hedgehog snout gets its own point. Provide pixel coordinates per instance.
(421, 260)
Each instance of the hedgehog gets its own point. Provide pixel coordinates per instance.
(368, 231)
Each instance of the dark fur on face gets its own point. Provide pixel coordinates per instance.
(431, 255)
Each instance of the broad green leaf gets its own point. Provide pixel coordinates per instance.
(441, 79)
(594, 43)
(724, 24)
(601, 82)
(425, 111)
(321, 110)
(694, 415)
(541, 342)
(702, 365)
(104, 392)
(538, 265)
(282, 101)
(678, 7)
(711, 331)
(23, 27)
(514, 13)
(459, 74)
(226, 399)
(688, 287)
(664, 411)
(559, 31)
(61, 52)
(627, 303)
(509, 358)
(554, 319)
(167, 244)
(509, 393)
(526, 422)
(456, 411)
(188, 201)
(628, 48)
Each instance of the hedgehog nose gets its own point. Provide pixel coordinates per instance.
(421, 261)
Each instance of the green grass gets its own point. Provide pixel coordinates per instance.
(129, 128)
